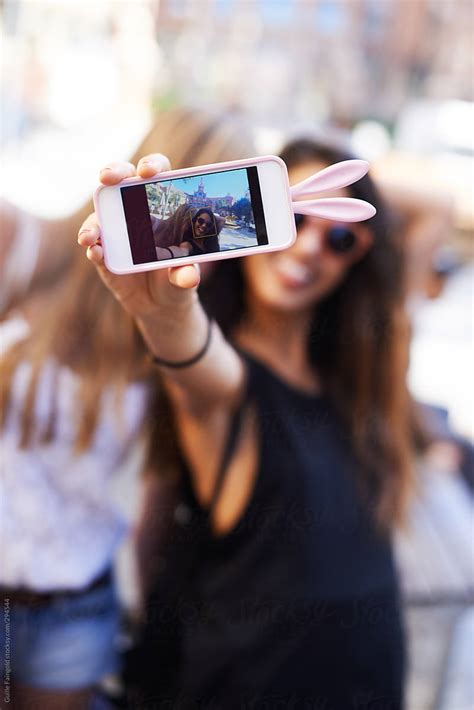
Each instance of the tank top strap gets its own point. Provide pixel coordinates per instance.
(257, 381)
(229, 449)
(231, 441)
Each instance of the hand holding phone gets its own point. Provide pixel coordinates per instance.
(165, 306)
(139, 293)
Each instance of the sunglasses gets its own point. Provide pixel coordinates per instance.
(339, 239)
(203, 222)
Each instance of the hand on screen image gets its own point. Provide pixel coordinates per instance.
(183, 249)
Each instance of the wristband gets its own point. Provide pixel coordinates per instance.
(192, 360)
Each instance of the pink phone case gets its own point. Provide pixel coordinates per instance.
(212, 256)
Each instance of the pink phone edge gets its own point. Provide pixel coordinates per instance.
(209, 167)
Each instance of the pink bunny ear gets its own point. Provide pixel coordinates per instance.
(335, 176)
(337, 209)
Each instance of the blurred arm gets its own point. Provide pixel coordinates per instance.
(32, 250)
(427, 220)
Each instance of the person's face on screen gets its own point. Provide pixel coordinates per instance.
(298, 277)
(203, 225)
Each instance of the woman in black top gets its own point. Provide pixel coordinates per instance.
(291, 431)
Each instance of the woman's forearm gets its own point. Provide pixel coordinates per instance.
(176, 334)
(171, 252)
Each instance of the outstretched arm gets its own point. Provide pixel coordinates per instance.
(166, 308)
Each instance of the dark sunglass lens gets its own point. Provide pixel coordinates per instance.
(299, 220)
(341, 239)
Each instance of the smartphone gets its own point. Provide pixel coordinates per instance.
(198, 214)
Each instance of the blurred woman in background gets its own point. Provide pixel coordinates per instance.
(77, 390)
(291, 441)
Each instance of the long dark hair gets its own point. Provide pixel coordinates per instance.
(358, 343)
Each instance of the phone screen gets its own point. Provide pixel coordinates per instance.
(198, 214)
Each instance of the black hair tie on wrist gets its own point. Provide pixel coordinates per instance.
(191, 360)
(168, 249)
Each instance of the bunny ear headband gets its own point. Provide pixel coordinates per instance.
(342, 209)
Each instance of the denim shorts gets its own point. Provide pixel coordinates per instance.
(66, 644)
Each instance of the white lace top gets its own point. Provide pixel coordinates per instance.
(59, 523)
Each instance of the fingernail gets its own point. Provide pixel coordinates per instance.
(85, 230)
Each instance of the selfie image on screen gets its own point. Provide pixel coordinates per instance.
(190, 216)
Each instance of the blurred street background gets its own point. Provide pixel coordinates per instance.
(393, 79)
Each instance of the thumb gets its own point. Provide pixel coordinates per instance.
(185, 276)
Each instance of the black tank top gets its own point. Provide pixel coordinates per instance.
(282, 604)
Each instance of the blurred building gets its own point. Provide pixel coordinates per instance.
(342, 60)
(200, 198)
(273, 59)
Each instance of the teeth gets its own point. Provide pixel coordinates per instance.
(294, 270)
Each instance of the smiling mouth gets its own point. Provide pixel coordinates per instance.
(292, 273)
